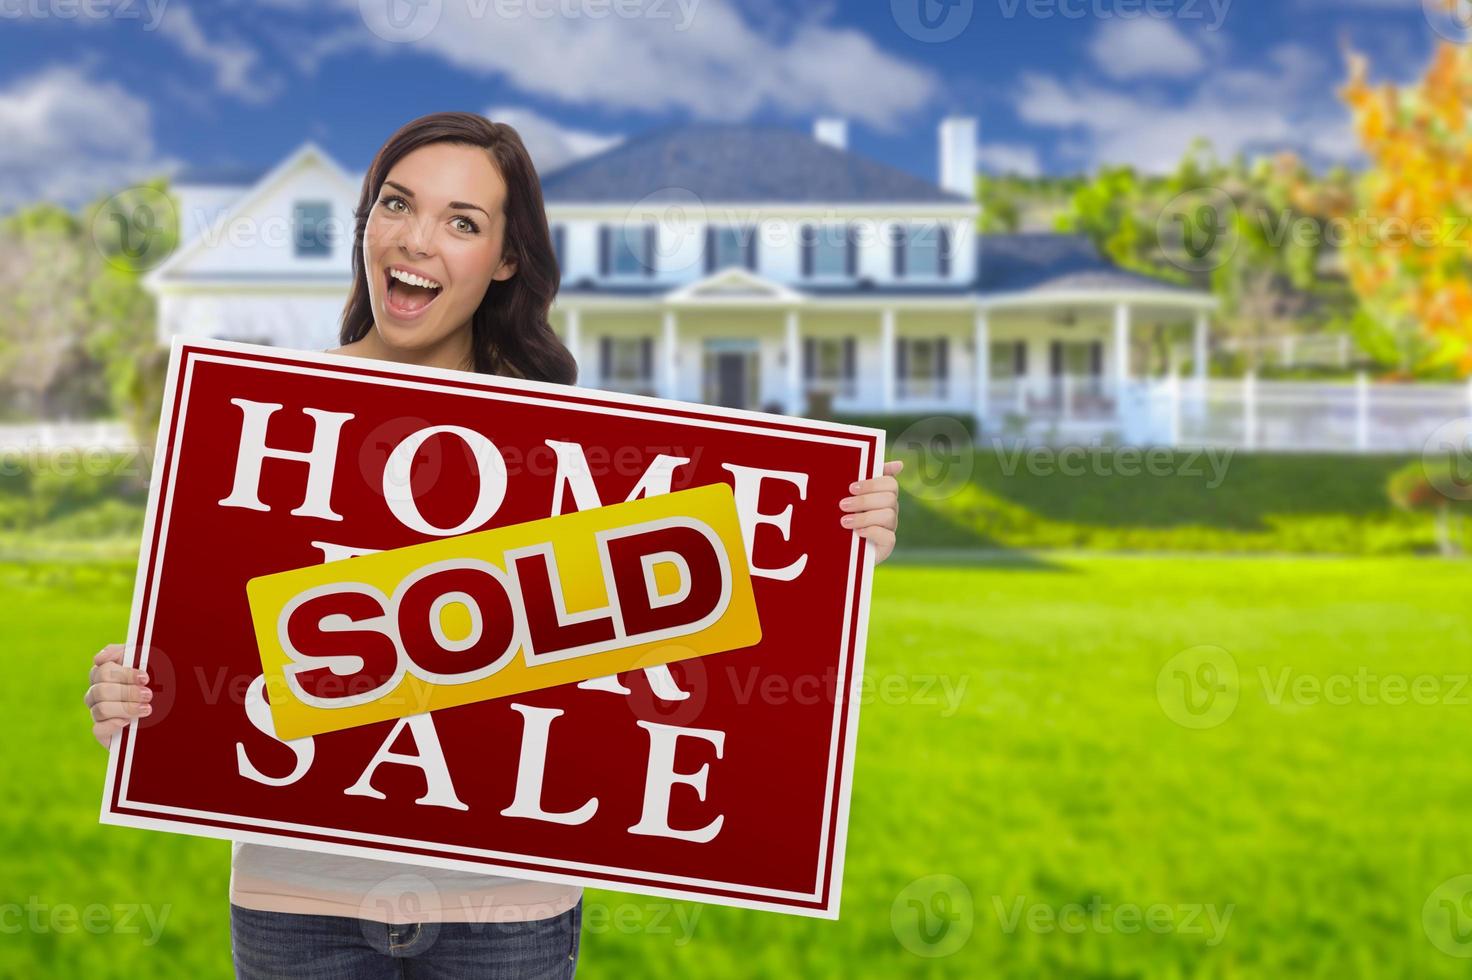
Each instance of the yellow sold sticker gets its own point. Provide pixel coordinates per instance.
(504, 611)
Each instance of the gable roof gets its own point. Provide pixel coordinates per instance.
(729, 163)
(175, 267)
(1051, 262)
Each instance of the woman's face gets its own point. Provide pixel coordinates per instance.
(434, 243)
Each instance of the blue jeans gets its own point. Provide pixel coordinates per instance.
(272, 945)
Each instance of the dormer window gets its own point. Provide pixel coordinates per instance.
(311, 226)
(921, 251)
(626, 251)
(829, 252)
(727, 246)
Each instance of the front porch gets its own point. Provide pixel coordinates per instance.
(1056, 367)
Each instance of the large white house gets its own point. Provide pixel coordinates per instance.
(749, 266)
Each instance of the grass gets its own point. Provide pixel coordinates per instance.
(1057, 778)
(1156, 500)
(990, 498)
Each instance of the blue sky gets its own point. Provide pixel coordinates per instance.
(97, 93)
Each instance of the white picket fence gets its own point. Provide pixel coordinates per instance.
(31, 438)
(1292, 416)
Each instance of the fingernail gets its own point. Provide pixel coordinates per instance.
(853, 488)
(848, 520)
(147, 694)
(147, 709)
(142, 678)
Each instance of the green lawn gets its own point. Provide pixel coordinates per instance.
(1156, 500)
(1297, 837)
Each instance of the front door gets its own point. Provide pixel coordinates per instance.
(730, 371)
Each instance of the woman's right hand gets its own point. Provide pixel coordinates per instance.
(117, 694)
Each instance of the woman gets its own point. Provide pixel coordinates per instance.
(453, 267)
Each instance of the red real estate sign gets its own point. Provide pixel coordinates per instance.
(722, 778)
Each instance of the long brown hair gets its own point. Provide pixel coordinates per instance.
(510, 334)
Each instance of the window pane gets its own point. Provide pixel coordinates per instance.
(628, 250)
(626, 358)
(311, 228)
(1003, 359)
(830, 251)
(730, 248)
(922, 254)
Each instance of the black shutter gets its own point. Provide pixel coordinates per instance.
(751, 248)
(605, 248)
(945, 251)
(605, 358)
(808, 232)
(650, 233)
(1096, 358)
(1019, 358)
(900, 237)
(646, 359)
(809, 358)
(710, 249)
(849, 371)
(901, 358)
(559, 245)
(1055, 358)
(942, 357)
(851, 261)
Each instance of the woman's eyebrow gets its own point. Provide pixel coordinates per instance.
(462, 206)
(453, 205)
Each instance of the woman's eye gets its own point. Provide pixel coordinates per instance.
(395, 203)
(465, 225)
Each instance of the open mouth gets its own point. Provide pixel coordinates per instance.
(408, 294)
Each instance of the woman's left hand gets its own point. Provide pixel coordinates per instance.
(874, 509)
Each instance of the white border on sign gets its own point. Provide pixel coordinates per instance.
(658, 409)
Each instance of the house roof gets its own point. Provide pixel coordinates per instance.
(239, 176)
(731, 163)
(1049, 262)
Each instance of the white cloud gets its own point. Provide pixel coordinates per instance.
(65, 137)
(549, 142)
(1009, 158)
(703, 57)
(1289, 102)
(1144, 47)
(235, 64)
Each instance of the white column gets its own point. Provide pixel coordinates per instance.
(1198, 349)
(982, 339)
(886, 360)
(668, 357)
(1361, 412)
(1249, 410)
(794, 364)
(1173, 389)
(1121, 348)
(573, 337)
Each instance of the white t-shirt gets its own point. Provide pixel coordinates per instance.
(280, 879)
